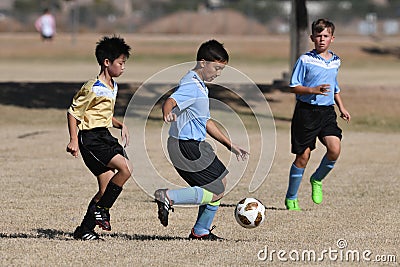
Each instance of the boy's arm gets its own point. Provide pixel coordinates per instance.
(167, 107)
(73, 146)
(216, 133)
(321, 89)
(344, 114)
(124, 130)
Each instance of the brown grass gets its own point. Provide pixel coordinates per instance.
(45, 191)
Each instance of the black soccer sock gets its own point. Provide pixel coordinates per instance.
(88, 222)
(110, 195)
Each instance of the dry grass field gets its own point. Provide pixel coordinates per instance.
(45, 191)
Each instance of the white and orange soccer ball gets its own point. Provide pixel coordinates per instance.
(250, 212)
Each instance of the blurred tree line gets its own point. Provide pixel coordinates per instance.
(263, 11)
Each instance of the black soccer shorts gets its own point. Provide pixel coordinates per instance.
(312, 121)
(197, 164)
(97, 148)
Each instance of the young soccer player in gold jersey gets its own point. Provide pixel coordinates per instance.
(90, 116)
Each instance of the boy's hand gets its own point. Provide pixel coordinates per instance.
(170, 117)
(240, 152)
(344, 114)
(73, 148)
(322, 89)
(125, 135)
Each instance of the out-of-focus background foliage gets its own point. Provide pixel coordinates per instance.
(242, 17)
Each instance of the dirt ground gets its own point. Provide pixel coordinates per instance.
(45, 191)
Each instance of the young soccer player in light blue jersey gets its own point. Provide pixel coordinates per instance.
(187, 109)
(317, 91)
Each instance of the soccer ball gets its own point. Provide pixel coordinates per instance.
(250, 212)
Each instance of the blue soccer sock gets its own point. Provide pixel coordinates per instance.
(323, 169)
(188, 195)
(205, 218)
(295, 176)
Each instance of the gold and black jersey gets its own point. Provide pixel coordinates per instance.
(93, 105)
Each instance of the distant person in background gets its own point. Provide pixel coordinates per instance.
(46, 25)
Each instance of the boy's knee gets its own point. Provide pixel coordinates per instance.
(217, 197)
(301, 162)
(333, 153)
(123, 166)
(126, 174)
(302, 159)
(333, 156)
(127, 170)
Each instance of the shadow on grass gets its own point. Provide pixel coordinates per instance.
(379, 50)
(54, 234)
(230, 205)
(58, 95)
(40, 234)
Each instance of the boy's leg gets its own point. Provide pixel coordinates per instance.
(88, 222)
(183, 196)
(207, 209)
(205, 218)
(332, 144)
(123, 167)
(112, 191)
(295, 177)
(85, 231)
(323, 169)
(188, 195)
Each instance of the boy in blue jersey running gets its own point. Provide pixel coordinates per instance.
(314, 83)
(187, 109)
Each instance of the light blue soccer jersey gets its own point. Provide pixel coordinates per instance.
(193, 110)
(312, 70)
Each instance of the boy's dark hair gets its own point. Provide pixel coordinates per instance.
(321, 24)
(212, 50)
(111, 48)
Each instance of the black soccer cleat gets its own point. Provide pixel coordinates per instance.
(81, 234)
(210, 236)
(102, 217)
(163, 204)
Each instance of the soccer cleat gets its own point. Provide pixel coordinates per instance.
(80, 234)
(210, 236)
(292, 204)
(163, 204)
(316, 188)
(102, 217)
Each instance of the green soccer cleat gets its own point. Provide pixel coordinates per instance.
(316, 194)
(292, 204)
